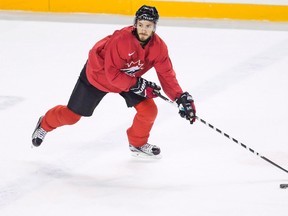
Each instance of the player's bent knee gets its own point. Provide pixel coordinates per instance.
(70, 117)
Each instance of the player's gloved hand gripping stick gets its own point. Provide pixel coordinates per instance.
(221, 132)
(145, 88)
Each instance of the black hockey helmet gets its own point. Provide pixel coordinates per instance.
(147, 13)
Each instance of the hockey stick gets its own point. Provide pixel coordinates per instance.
(225, 134)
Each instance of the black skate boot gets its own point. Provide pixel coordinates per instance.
(38, 134)
(146, 151)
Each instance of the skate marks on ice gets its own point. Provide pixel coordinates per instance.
(37, 174)
(42, 174)
(9, 101)
(31, 181)
(243, 70)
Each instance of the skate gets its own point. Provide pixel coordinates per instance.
(146, 151)
(38, 134)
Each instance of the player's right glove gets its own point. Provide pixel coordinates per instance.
(145, 88)
(186, 107)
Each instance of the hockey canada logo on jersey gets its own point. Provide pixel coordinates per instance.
(133, 67)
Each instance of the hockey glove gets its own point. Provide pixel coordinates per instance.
(186, 107)
(145, 88)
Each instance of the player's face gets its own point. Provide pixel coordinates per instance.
(145, 29)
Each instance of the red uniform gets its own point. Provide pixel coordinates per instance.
(113, 65)
(116, 64)
(115, 61)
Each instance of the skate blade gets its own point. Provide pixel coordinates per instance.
(145, 156)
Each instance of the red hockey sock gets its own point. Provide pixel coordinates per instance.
(139, 132)
(59, 116)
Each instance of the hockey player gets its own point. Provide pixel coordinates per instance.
(115, 65)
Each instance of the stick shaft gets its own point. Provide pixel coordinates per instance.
(241, 144)
(227, 136)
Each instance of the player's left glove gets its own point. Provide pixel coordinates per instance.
(186, 107)
(145, 88)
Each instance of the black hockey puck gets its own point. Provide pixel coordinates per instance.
(283, 186)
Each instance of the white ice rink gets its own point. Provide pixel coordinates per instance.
(237, 73)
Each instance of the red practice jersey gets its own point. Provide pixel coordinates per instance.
(115, 62)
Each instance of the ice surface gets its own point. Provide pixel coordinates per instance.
(237, 73)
